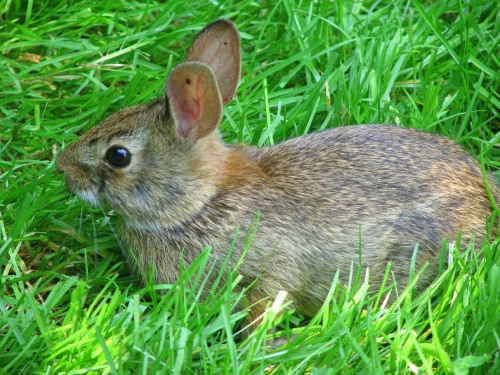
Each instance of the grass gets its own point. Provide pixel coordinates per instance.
(67, 301)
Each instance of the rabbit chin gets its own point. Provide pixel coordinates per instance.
(89, 196)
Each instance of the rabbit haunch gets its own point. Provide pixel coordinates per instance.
(321, 197)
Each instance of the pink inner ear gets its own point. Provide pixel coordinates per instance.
(190, 95)
(194, 99)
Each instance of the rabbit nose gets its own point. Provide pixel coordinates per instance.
(61, 162)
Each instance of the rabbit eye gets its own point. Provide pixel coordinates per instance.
(118, 156)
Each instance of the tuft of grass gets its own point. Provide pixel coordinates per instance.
(68, 303)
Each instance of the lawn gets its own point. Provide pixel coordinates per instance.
(68, 303)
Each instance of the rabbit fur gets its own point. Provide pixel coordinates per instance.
(322, 197)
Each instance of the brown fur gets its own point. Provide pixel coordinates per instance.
(317, 195)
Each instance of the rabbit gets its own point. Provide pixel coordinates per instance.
(322, 197)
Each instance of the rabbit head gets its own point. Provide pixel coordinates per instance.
(152, 159)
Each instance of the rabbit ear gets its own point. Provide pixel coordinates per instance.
(194, 99)
(218, 45)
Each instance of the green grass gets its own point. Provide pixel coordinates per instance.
(67, 301)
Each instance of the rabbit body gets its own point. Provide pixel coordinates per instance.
(323, 198)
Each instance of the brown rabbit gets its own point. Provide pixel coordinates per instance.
(179, 188)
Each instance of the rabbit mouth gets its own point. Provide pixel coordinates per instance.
(88, 196)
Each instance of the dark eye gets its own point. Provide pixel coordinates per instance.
(118, 156)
